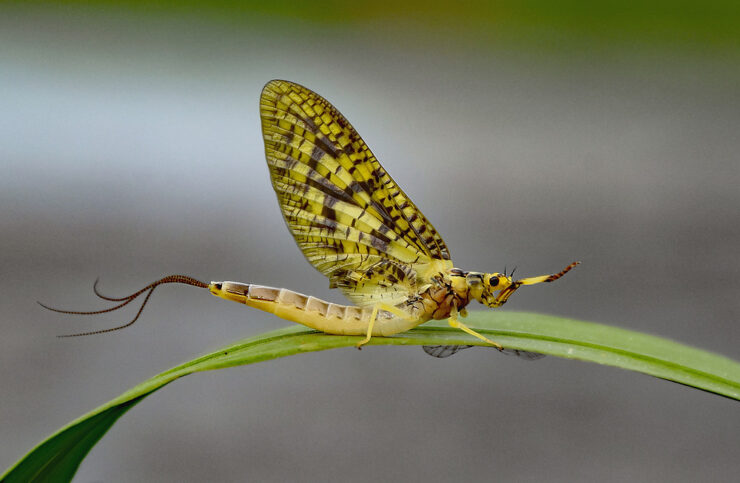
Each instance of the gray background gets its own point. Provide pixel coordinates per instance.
(130, 149)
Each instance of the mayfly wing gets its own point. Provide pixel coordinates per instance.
(442, 351)
(350, 219)
(530, 356)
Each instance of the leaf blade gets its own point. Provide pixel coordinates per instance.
(58, 457)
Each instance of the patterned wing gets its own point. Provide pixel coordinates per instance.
(348, 216)
(442, 351)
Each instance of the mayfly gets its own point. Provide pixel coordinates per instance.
(355, 225)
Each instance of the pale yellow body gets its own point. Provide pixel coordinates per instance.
(316, 313)
(355, 225)
(444, 298)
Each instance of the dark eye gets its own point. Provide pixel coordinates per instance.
(493, 281)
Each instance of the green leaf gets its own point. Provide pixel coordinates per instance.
(58, 457)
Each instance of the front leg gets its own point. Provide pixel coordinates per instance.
(459, 325)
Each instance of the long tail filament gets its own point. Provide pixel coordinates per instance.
(126, 300)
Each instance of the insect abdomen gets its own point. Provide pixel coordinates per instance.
(303, 309)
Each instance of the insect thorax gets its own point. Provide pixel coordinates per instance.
(447, 292)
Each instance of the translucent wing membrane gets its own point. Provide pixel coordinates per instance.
(442, 351)
(530, 356)
(348, 216)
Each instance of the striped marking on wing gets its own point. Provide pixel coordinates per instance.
(344, 210)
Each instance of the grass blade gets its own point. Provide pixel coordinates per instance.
(58, 457)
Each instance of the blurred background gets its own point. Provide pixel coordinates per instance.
(529, 133)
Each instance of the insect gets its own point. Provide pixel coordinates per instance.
(355, 225)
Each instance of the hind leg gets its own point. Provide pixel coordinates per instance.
(381, 306)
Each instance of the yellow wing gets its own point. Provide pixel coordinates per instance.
(348, 216)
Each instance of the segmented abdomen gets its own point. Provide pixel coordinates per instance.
(311, 311)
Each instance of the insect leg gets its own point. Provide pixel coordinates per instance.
(504, 295)
(459, 325)
(373, 316)
(387, 308)
(547, 278)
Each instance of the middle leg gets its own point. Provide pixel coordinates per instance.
(454, 322)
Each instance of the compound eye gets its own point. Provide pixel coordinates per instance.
(493, 281)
